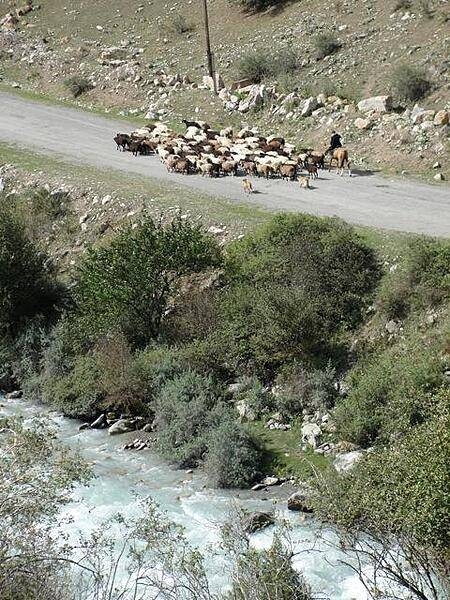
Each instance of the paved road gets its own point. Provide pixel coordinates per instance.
(84, 138)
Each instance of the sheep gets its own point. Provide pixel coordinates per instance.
(288, 172)
(249, 167)
(122, 140)
(181, 166)
(229, 167)
(264, 170)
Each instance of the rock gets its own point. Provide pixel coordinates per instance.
(258, 94)
(439, 177)
(257, 521)
(208, 82)
(441, 118)
(347, 460)
(380, 104)
(216, 230)
(270, 481)
(437, 165)
(362, 124)
(310, 434)
(106, 199)
(147, 427)
(99, 422)
(15, 395)
(239, 85)
(392, 327)
(300, 502)
(257, 487)
(122, 426)
(308, 106)
(83, 426)
(245, 411)
(423, 116)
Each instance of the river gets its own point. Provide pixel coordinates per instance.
(122, 475)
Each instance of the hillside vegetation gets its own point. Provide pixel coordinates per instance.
(148, 58)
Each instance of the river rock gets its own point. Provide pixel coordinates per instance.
(99, 422)
(257, 521)
(347, 460)
(310, 434)
(15, 395)
(300, 502)
(83, 426)
(380, 104)
(122, 426)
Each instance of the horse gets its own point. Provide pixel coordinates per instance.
(340, 155)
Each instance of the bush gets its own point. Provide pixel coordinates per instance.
(293, 286)
(257, 64)
(78, 85)
(399, 493)
(423, 279)
(258, 5)
(390, 393)
(185, 409)
(27, 289)
(79, 393)
(179, 24)
(410, 82)
(233, 458)
(304, 389)
(127, 286)
(326, 44)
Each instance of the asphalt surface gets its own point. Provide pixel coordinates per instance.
(366, 199)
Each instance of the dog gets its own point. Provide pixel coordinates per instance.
(247, 185)
(304, 181)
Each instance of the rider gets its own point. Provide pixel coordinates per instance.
(335, 142)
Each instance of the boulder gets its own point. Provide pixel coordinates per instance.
(122, 426)
(270, 481)
(439, 177)
(422, 116)
(83, 426)
(362, 124)
(308, 106)
(256, 521)
(245, 410)
(380, 104)
(441, 118)
(255, 99)
(347, 460)
(208, 82)
(15, 395)
(310, 434)
(99, 422)
(300, 502)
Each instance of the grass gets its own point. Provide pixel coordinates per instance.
(152, 193)
(283, 454)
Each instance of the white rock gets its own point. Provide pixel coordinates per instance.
(347, 460)
(439, 177)
(309, 105)
(106, 199)
(310, 434)
(380, 104)
(362, 124)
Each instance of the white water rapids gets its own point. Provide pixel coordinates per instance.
(121, 475)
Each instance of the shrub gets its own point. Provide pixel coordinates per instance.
(179, 24)
(422, 280)
(233, 458)
(410, 82)
(326, 44)
(185, 413)
(78, 85)
(127, 286)
(255, 65)
(399, 493)
(293, 286)
(258, 5)
(304, 389)
(390, 393)
(258, 64)
(27, 289)
(78, 393)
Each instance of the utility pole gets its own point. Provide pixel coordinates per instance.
(208, 45)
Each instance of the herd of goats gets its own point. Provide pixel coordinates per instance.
(213, 153)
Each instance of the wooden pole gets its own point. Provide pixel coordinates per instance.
(208, 44)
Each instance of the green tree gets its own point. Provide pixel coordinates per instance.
(127, 286)
(27, 290)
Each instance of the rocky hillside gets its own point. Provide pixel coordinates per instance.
(316, 62)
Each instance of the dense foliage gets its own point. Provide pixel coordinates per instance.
(27, 289)
(127, 286)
